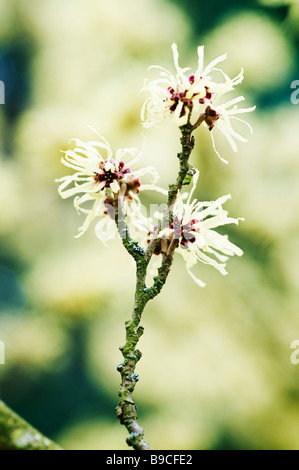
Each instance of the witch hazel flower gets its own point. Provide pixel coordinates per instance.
(192, 233)
(222, 115)
(99, 179)
(199, 241)
(175, 97)
(193, 98)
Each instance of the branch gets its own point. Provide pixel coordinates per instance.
(127, 410)
(17, 434)
(184, 177)
(163, 272)
(186, 171)
(130, 245)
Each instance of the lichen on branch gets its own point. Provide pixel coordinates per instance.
(17, 434)
(127, 410)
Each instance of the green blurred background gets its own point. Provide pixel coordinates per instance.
(216, 370)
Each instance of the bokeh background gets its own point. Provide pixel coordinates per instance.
(216, 370)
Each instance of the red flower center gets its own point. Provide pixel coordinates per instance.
(184, 232)
(180, 96)
(108, 176)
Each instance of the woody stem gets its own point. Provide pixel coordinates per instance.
(127, 409)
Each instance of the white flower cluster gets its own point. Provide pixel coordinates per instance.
(99, 180)
(185, 99)
(193, 229)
